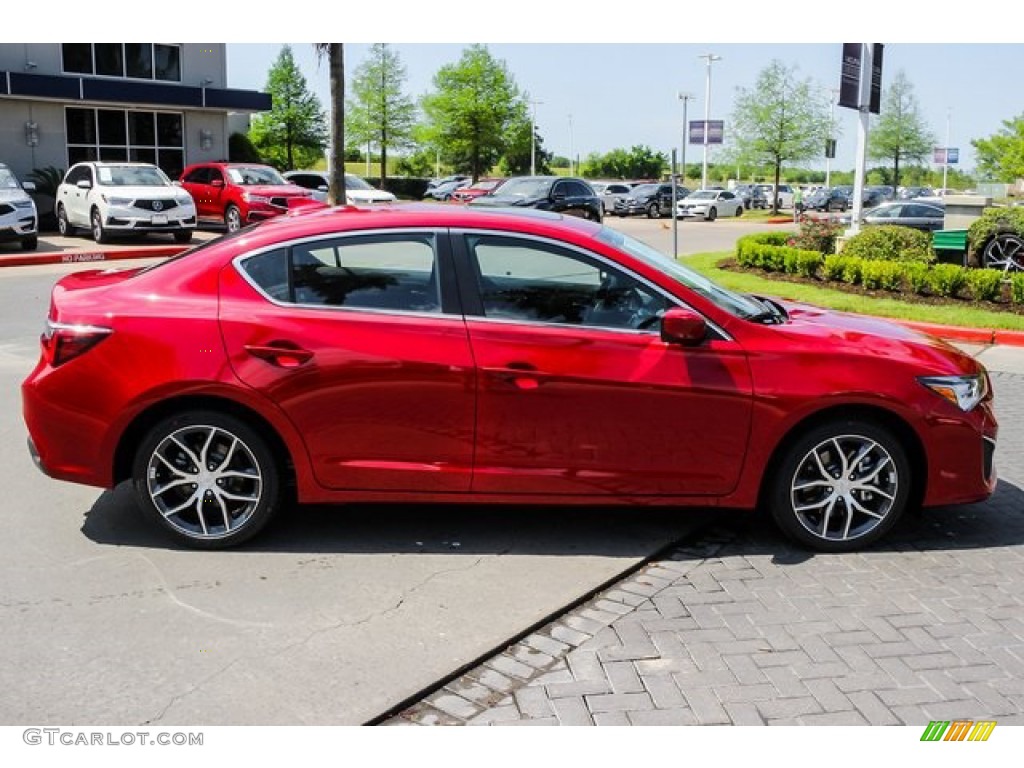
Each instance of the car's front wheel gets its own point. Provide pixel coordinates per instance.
(712, 214)
(99, 233)
(30, 243)
(208, 478)
(652, 211)
(841, 486)
(232, 218)
(739, 211)
(183, 236)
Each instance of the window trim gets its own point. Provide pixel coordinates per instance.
(469, 274)
(451, 308)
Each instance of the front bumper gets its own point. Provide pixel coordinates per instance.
(132, 219)
(18, 225)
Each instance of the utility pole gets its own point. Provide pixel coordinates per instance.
(864, 102)
(945, 164)
(684, 97)
(709, 57)
(831, 129)
(572, 149)
(533, 137)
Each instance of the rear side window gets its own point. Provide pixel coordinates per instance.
(390, 273)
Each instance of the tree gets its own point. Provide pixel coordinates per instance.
(294, 130)
(335, 54)
(469, 115)
(899, 133)
(780, 119)
(516, 159)
(379, 112)
(639, 162)
(1001, 156)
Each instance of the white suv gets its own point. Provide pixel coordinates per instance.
(18, 217)
(123, 198)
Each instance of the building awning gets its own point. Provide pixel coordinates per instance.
(92, 89)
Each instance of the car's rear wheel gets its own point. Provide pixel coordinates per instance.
(64, 227)
(99, 233)
(841, 486)
(712, 214)
(1004, 251)
(208, 478)
(232, 218)
(652, 211)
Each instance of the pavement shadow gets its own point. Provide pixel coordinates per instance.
(997, 522)
(116, 519)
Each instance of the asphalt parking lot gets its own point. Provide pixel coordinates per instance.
(336, 616)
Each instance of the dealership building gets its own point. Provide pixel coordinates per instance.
(162, 103)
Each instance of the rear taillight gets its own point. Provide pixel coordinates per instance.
(66, 341)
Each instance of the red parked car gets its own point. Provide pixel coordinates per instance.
(445, 354)
(236, 194)
(482, 187)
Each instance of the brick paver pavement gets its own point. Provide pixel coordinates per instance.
(742, 628)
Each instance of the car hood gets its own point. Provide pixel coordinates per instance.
(148, 193)
(501, 200)
(11, 195)
(844, 332)
(276, 190)
(369, 196)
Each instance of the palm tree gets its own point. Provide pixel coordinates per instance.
(335, 54)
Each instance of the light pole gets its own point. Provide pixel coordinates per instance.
(828, 141)
(572, 148)
(685, 98)
(709, 57)
(533, 137)
(945, 164)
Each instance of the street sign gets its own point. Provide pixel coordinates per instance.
(946, 155)
(849, 77)
(953, 155)
(830, 149)
(715, 131)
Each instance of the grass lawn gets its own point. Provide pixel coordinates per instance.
(952, 314)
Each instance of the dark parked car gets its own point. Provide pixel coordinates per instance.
(924, 216)
(651, 200)
(570, 196)
(910, 193)
(827, 200)
(870, 197)
(752, 196)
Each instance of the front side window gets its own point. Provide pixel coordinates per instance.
(381, 272)
(530, 281)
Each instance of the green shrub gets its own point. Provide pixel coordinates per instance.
(890, 244)
(853, 270)
(832, 267)
(242, 150)
(993, 221)
(809, 263)
(1017, 287)
(789, 260)
(887, 275)
(915, 276)
(947, 279)
(985, 284)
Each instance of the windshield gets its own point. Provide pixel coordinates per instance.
(733, 303)
(7, 180)
(131, 176)
(354, 182)
(526, 187)
(704, 194)
(254, 174)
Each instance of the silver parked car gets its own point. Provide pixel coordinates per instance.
(19, 220)
(357, 191)
(709, 204)
(908, 213)
(610, 192)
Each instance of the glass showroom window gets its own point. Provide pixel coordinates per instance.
(118, 135)
(139, 61)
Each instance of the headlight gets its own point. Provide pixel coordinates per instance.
(251, 197)
(26, 203)
(118, 201)
(184, 200)
(965, 392)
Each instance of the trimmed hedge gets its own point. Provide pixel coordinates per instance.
(889, 243)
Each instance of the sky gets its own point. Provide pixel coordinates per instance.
(616, 68)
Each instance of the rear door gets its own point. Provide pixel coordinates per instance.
(359, 339)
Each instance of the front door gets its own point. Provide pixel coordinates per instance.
(578, 394)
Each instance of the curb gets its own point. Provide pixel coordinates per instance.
(79, 257)
(970, 335)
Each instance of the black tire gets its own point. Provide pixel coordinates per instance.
(30, 243)
(99, 233)
(712, 214)
(184, 236)
(232, 218)
(64, 227)
(739, 211)
(653, 211)
(800, 500)
(254, 479)
(1005, 251)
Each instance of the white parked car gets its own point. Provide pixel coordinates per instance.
(709, 204)
(19, 220)
(785, 194)
(112, 198)
(357, 191)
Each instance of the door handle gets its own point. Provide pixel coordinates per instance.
(521, 375)
(283, 354)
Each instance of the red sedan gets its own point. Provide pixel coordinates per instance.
(450, 355)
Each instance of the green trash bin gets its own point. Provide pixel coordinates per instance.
(950, 246)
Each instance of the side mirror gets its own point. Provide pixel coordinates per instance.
(28, 186)
(217, 183)
(683, 326)
(176, 183)
(84, 184)
(323, 188)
